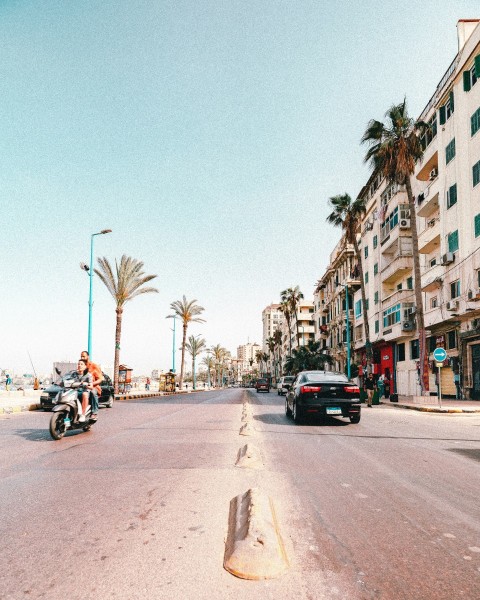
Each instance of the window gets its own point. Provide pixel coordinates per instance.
(477, 225)
(451, 340)
(358, 308)
(391, 315)
(390, 222)
(476, 173)
(452, 195)
(366, 277)
(409, 283)
(375, 269)
(375, 241)
(433, 262)
(433, 302)
(414, 350)
(450, 151)
(399, 286)
(471, 76)
(455, 289)
(446, 111)
(365, 251)
(430, 134)
(377, 326)
(375, 296)
(475, 122)
(400, 352)
(452, 239)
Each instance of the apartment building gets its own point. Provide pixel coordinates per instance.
(272, 319)
(246, 355)
(446, 185)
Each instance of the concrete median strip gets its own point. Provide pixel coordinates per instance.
(247, 429)
(254, 547)
(249, 457)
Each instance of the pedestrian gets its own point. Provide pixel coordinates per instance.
(381, 386)
(370, 387)
(147, 385)
(97, 377)
(86, 379)
(456, 381)
(387, 383)
(8, 382)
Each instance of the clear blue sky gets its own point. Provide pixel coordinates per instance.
(207, 135)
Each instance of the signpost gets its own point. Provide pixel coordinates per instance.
(440, 355)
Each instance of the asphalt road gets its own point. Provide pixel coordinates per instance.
(138, 507)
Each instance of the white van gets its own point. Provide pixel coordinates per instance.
(284, 384)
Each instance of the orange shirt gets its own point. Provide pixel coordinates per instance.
(96, 374)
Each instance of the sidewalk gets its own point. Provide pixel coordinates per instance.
(431, 404)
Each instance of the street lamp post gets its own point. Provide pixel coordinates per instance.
(89, 271)
(348, 332)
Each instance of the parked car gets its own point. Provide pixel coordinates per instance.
(323, 394)
(48, 395)
(284, 384)
(262, 385)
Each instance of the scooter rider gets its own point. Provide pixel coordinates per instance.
(85, 378)
(97, 376)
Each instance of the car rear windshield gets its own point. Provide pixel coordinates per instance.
(325, 376)
(262, 381)
(288, 379)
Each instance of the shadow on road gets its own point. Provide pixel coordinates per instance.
(275, 419)
(472, 453)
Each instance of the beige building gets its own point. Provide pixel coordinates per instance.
(246, 358)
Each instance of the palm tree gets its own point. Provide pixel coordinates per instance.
(395, 148)
(348, 215)
(270, 343)
(293, 296)
(209, 363)
(287, 313)
(124, 284)
(218, 357)
(306, 358)
(188, 312)
(259, 359)
(277, 336)
(194, 347)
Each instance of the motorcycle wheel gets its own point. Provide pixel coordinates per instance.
(87, 428)
(57, 426)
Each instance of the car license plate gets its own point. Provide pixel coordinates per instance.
(333, 410)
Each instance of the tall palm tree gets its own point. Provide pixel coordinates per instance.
(259, 359)
(348, 215)
(218, 356)
(285, 309)
(394, 149)
(124, 284)
(195, 346)
(277, 336)
(293, 296)
(188, 312)
(307, 358)
(209, 363)
(270, 343)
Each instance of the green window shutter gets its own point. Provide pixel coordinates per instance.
(452, 102)
(467, 81)
(477, 226)
(442, 115)
(477, 66)
(453, 241)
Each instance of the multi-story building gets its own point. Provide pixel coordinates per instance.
(272, 319)
(446, 185)
(247, 355)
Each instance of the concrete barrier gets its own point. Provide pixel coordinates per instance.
(254, 547)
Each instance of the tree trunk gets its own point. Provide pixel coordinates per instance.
(424, 383)
(366, 326)
(182, 368)
(118, 335)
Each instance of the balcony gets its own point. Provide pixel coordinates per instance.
(432, 279)
(427, 201)
(429, 162)
(405, 295)
(429, 238)
(397, 268)
(433, 317)
(394, 332)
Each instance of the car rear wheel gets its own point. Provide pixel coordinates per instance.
(110, 402)
(355, 419)
(296, 414)
(288, 412)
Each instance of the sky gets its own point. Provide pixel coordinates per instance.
(208, 136)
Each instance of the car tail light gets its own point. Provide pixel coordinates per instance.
(351, 389)
(308, 389)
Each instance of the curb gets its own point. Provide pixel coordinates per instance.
(432, 409)
(8, 410)
(254, 547)
(249, 457)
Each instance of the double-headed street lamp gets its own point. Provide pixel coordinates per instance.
(89, 270)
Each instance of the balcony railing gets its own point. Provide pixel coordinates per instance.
(429, 238)
(396, 269)
(427, 201)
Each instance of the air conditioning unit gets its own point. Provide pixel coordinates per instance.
(420, 198)
(476, 323)
(447, 258)
(433, 174)
(408, 326)
(452, 305)
(404, 223)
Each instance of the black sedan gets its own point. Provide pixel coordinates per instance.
(48, 395)
(323, 394)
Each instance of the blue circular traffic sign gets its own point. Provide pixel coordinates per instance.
(439, 354)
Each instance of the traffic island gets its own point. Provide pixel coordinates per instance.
(254, 547)
(249, 457)
(247, 429)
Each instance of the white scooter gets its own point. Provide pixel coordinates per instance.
(67, 411)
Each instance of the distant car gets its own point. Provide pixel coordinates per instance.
(284, 384)
(48, 395)
(262, 385)
(323, 394)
